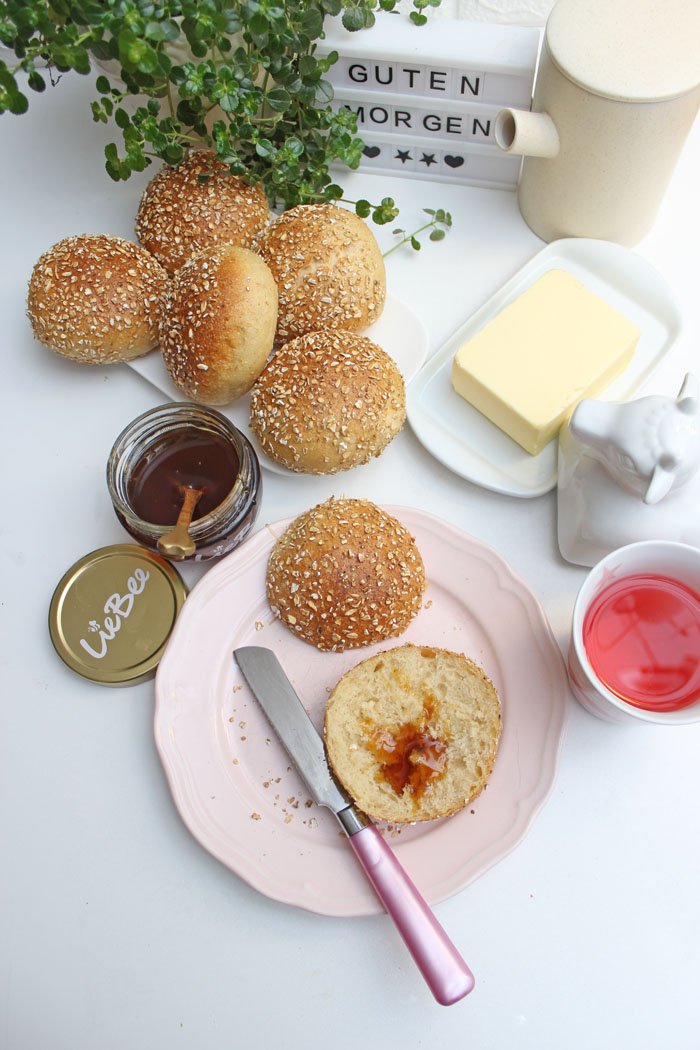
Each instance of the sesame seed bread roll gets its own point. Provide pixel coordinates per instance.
(345, 574)
(328, 267)
(97, 299)
(327, 401)
(197, 205)
(218, 325)
(412, 733)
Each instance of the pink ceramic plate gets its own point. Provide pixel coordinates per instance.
(232, 781)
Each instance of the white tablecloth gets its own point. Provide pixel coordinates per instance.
(117, 930)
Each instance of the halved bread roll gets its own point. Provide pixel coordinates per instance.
(412, 733)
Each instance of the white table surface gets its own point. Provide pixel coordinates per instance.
(117, 930)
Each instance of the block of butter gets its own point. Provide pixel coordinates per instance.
(528, 368)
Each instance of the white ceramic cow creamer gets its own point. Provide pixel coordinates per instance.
(629, 471)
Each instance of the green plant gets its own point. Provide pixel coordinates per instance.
(243, 77)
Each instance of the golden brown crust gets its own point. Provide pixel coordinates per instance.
(327, 401)
(219, 324)
(97, 299)
(328, 267)
(412, 733)
(345, 574)
(179, 215)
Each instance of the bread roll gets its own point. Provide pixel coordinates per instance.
(328, 268)
(327, 401)
(219, 324)
(345, 574)
(198, 205)
(97, 299)
(412, 733)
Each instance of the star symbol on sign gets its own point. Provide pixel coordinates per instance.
(428, 159)
(403, 155)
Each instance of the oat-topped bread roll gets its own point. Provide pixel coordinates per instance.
(328, 268)
(97, 299)
(327, 401)
(219, 324)
(345, 574)
(412, 733)
(197, 205)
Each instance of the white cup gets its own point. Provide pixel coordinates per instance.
(678, 561)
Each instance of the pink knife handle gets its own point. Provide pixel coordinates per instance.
(448, 976)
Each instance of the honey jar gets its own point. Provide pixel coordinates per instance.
(179, 446)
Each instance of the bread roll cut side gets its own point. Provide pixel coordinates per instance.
(412, 733)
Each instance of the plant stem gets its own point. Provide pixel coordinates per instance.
(408, 237)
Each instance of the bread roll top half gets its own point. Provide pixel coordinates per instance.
(196, 205)
(97, 299)
(412, 733)
(328, 267)
(219, 324)
(328, 401)
(345, 574)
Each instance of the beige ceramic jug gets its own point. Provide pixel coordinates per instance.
(617, 90)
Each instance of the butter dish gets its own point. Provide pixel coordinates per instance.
(464, 440)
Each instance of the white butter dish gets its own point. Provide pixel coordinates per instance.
(466, 441)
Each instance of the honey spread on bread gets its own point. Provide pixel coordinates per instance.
(411, 755)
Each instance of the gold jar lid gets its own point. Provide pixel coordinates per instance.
(112, 613)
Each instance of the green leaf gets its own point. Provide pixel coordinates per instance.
(278, 100)
(36, 81)
(418, 20)
(353, 19)
(103, 85)
(19, 103)
(324, 93)
(437, 235)
(229, 101)
(264, 148)
(363, 208)
(415, 244)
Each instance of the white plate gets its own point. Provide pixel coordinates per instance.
(473, 447)
(398, 331)
(234, 785)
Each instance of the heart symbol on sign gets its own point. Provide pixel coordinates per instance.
(371, 151)
(453, 162)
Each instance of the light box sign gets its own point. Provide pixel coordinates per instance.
(426, 98)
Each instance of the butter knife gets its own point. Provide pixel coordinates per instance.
(447, 975)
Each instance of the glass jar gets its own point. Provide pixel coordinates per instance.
(152, 435)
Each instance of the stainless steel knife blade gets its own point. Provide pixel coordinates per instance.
(287, 714)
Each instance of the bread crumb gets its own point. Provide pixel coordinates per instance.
(255, 816)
